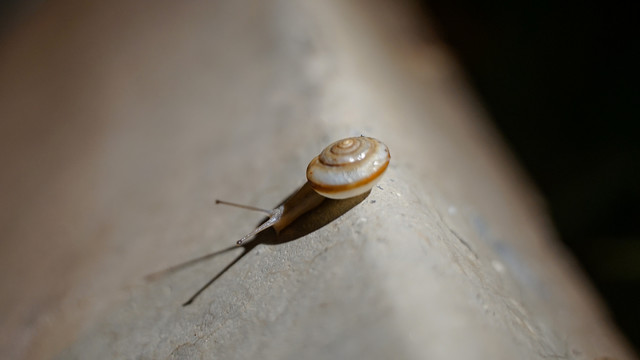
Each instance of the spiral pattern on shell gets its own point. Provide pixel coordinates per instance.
(348, 167)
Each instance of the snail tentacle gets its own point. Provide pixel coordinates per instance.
(276, 215)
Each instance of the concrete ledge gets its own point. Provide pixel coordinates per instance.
(124, 121)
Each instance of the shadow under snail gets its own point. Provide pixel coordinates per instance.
(344, 169)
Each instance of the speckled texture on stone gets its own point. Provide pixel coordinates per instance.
(123, 121)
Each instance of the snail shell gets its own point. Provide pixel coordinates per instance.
(348, 167)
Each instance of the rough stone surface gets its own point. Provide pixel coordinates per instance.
(123, 121)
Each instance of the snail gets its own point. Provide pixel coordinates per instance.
(344, 169)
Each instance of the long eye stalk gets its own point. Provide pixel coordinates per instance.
(269, 212)
(274, 217)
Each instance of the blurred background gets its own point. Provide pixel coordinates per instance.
(556, 77)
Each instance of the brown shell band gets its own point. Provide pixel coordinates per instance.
(332, 189)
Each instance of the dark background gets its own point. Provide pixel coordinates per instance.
(558, 78)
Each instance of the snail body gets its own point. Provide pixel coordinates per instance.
(344, 169)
